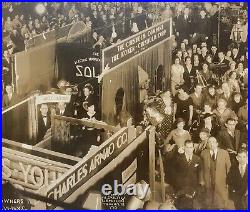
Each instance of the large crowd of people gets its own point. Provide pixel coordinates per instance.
(202, 132)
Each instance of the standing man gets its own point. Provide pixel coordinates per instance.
(197, 98)
(238, 180)
(215, 167)
(201, 28)
(183, 25)
(44, 121)
(229, 138)
(186, 173)
(9, 98)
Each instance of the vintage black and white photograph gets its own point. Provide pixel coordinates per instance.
(124, 105)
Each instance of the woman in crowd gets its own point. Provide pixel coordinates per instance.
(210, 96)
(196, 62)
(189, 75)
(177, 71)
(236, 102)
(233, 82)
(222, 112)
(232, 67)
(183, 105)
(166, 108)
(173, 144)
(178, 136)
(205, 72)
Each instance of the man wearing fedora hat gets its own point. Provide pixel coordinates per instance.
(208, 121)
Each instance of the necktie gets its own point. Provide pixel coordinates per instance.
(241, 171)
(214, 156)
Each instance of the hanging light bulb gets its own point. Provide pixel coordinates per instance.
(40, 9)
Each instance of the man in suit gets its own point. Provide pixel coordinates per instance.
(214, 54)
(203, 55)
(6, 63)
(44, 121)
(202, 28)
(236, 55)
(227, 95)
(238, 180)
(215, 165)
(223, 62)
(229, 138)
(197, 98)
(183, 25)
(186, 173)
(9, 98)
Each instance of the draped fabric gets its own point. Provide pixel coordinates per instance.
(35, 69)
(15, 124)
(126, 77)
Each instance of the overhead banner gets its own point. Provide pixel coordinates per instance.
(136, 44)
(77, 64)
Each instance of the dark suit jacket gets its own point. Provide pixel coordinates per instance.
(183, 27)
(202, 26)
(186, 175)
(189, 78)
(236, 182)
(238, 185)
(236, 58)
(42, 128)
(226, 141)
(228, 99)
(224, 67)
(215, 57)
(220, 192)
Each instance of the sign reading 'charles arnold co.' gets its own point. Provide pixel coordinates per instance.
(128, 48)
(87, 168)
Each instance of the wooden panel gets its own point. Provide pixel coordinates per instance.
(42, 153)
(152, 161)
(30, 171)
